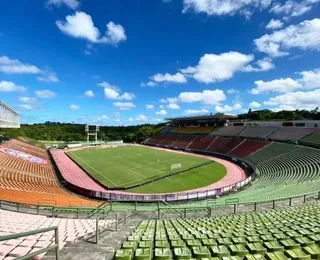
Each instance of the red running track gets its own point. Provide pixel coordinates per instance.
(75, 175)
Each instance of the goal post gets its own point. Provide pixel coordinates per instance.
(175, 166)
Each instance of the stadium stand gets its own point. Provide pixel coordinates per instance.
(224, 145)
(70, 230)
(170, 139)
(227, 131)
(257, 131)
(283, 234)
(27, 182)
(313, 138)
(183, 141)
(193, 130)
(156, 139)
(202, 143)
(290, 133)
(248, 147)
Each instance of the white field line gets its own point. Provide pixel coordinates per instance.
(137, 173)
(94, 169)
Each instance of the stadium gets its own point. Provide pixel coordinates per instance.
(210, 186)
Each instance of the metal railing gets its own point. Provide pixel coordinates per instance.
(34, 232)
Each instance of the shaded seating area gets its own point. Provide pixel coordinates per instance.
(170, 139)
(202, 143)
(291, 133)
(193, 129)
(156, 139)
(184, 141)
(257, 131)
(283, 234)
(248, 147)
(228, 131)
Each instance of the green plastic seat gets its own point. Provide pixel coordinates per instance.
(224, 241)
(178, 243)
(193, 242)
(162, 244)
(238, 250)
(129, 245)
(276, 256)
(239, 240)
(220, 251)
(233, 257)
(281, 236)
(143, 254)
(313, 250)
(182, 253)
(163, 254)
(267, 238)
(124, 254)
(209, 242)
(274, 246)
(147, 238)
(289, 244)
(201, 252)
(254, 257)
(187, 237)
(315, 238)
(256, 248)
(304, 241)
(254, 239)
(294, 234)
(174, 237)
(134, 238)
(161, 238)
(297, 253)
(201, 236)
(145, 244)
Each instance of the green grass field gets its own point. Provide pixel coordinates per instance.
(131, 165)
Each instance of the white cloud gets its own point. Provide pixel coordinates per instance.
(45, 93)
(305, 35)
(260, 65)
(233, 91)
(74, 107)
(227, 108)
(277, 85)
(89, 93)
(176, 78)
(296, 100)
(124, 105)
(209, 97)
(151, 84)
(274, 24)
(8, 86)
(213, 67)
(225, 7)
(166, 1)
(161, 112)
(80, 25)
(113, 92)
(48, 76)
(10, 66)
(254, 104)
(150, 106)
(73, 4)
(25, 107)
(161, 106)
(173, 106)
(162, 100)
(141, 118)
(310, 79)
(196, 111)
(292, 8)
(27, 100)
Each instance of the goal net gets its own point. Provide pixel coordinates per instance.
(175, 166)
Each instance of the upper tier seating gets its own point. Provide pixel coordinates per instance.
(31, 183)
(70, 230)
(224, 145)
(257, 131)
(291, 133)
(313, 138)
(228, 131)
(193, 129)
(183, 141)
(27, 148)
(283, 234)
(170, 139)
(248, 147)
(202, 143)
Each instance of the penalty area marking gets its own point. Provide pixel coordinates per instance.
(94, 169)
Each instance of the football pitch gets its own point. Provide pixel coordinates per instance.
(133, 165)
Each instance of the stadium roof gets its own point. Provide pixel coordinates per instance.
(201, 117)
(8, 108)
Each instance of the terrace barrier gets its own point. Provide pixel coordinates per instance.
(169, 197)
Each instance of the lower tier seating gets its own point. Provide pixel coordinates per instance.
(156, 139)
(292, 233)
(70, 230)
(202, 143)
(169, 139)
(247, 147)
(183, 141)
(290, 133)
(313, 138)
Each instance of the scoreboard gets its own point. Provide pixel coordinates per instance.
(92, 128)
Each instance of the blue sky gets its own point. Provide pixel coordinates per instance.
(121, 62)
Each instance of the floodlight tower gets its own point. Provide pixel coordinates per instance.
(92, 130)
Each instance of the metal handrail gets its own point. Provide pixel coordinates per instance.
(34, 232)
